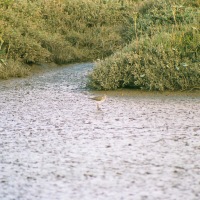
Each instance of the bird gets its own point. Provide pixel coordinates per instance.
(99, 100)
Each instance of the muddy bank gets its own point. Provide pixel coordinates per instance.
(55, 144)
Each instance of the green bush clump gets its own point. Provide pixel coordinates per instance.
(60, 31)
(162, 55)
(12, 68)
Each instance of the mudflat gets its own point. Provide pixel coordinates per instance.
(55, 144)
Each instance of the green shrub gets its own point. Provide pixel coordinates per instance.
(163, 53)
(61, 31)
(156, 63)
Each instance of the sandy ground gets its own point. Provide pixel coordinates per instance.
(55, 144)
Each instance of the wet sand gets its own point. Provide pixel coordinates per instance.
(56, 145)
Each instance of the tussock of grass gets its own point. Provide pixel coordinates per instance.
(12, 69)
(163, 53)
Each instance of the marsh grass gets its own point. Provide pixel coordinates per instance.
(163, 53)
(13, 69)
(147, 44)
(60, 31)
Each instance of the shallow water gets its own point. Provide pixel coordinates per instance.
(56, 145)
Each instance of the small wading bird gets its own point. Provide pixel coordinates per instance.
(99, 100)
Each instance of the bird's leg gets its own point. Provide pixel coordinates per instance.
(98, 108)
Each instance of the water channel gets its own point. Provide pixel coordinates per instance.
(56, 145)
